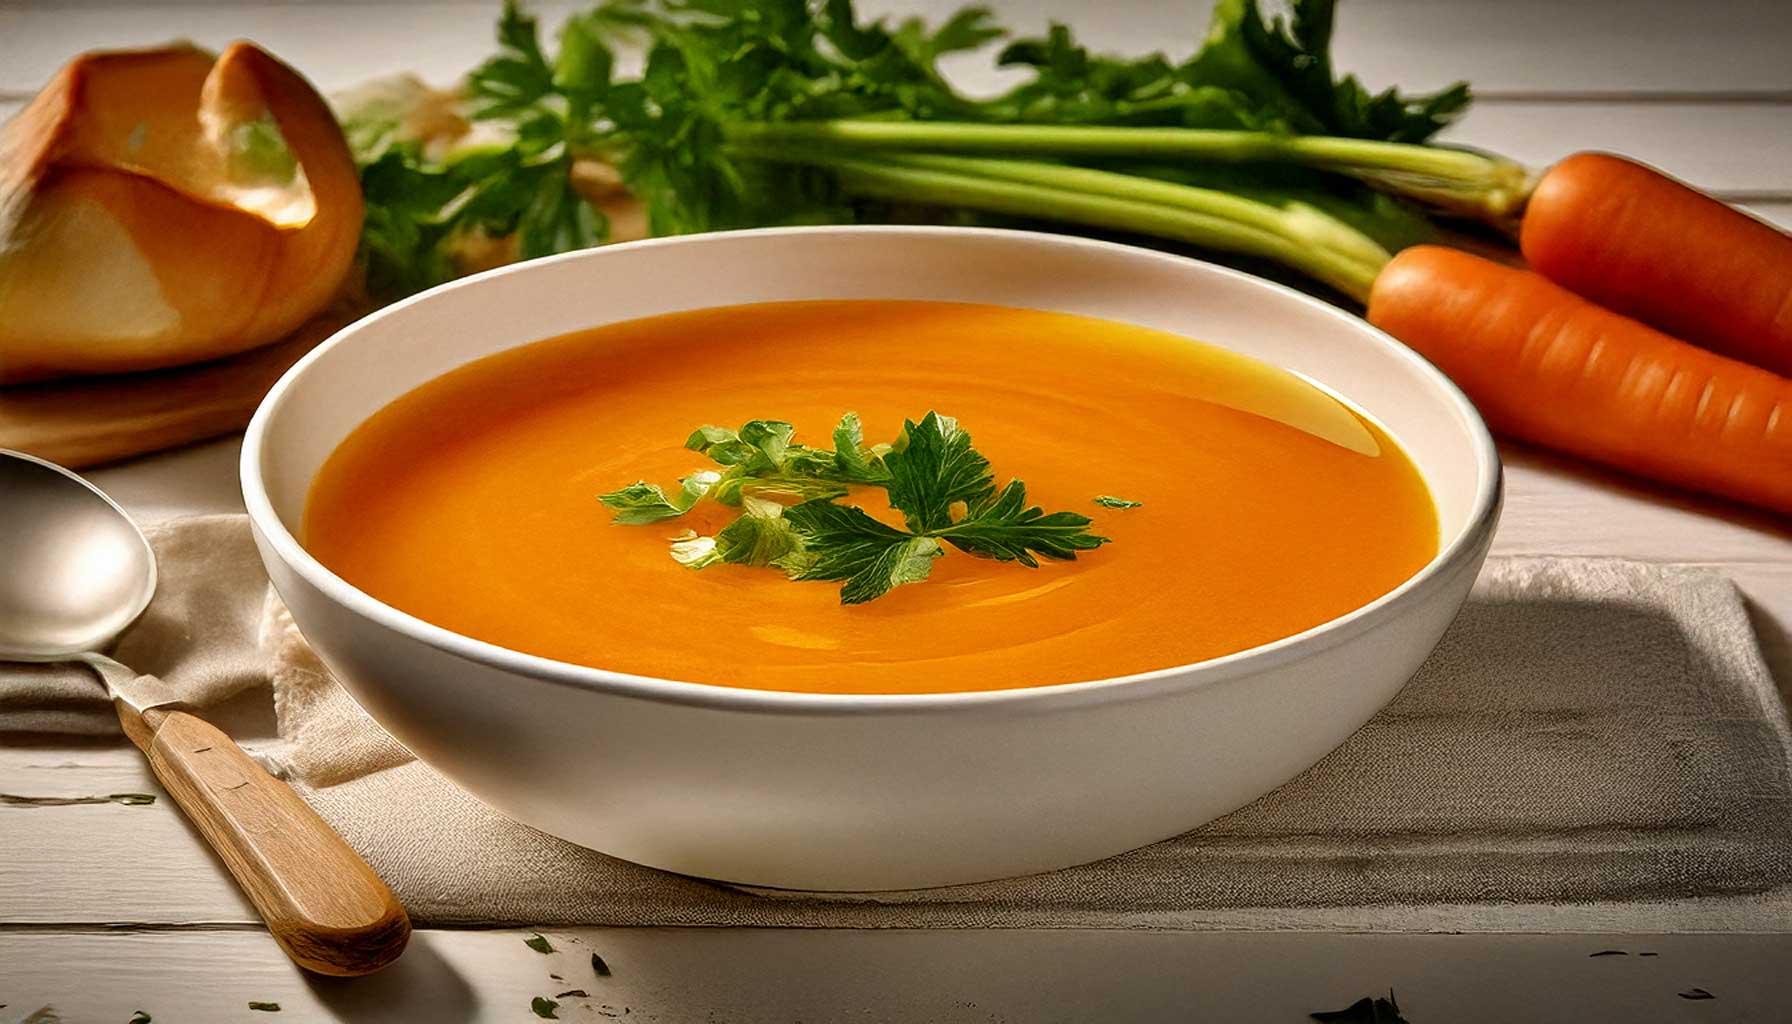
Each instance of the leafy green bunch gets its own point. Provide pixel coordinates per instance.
(943, 487)
(767, 112)
(518, 185)
(1253, 72)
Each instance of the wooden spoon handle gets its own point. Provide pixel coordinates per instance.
(321, 901)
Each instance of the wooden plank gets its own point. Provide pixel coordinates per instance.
(103, 863)
(1777, 212)
(750, 975)
(1559, 505)
(1516, 47)
(1725, 148)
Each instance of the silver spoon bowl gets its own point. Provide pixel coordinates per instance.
(74, 568)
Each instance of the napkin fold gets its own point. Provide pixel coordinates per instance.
(1596, 745)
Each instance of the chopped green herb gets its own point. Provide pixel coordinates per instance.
(573, 993)
(1109, 501)
(556, 977)
(841, 542)
(1609, 952)
(265, 1007)
(932, 474)
(1010, 530)
(538, 943)
(1696, 993)
(641, 503)
(932, 468)
(544, 1007)
(1365, 1011)
(1648, 954)
(138, 1017)
(598, 966)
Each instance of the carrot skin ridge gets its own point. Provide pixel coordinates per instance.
(1547, 366)
(1645, 245)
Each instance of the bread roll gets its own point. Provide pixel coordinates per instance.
(163, 207)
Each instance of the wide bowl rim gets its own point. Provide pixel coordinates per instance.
(1467, 545)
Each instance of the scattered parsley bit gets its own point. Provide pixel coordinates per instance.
(932, 474)
(1648, 954)
(1609, 952)
(573, 993)
(1109, 501)
(556, 977)
(1365, 1011)
(265, 1007)
(544, 1007)
(598, 966)
(1696, 993)
(138, 1017)
(538, 943)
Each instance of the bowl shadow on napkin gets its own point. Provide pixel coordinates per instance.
(1548, 748)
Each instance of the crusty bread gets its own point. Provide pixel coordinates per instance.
(163, 207)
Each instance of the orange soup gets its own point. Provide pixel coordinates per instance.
(1268, 506)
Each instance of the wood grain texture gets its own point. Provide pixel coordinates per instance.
(87, 421)
(1515, 46)
(1542, 60)
(322, 903)
(759, 976)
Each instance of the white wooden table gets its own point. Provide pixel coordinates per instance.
(105, 909)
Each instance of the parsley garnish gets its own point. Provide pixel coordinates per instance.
(598, 967)
(544, 1007)
(265, 1007)
(138, 1017)
(1696, 993)
(538, 942)
(1365, 1011)
(1109, 501)
(933, 475)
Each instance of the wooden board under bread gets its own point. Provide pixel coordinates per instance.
(87, 421)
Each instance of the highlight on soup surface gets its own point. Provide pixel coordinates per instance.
(871, 497)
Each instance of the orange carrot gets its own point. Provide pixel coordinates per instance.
(1644, 245)
(1547, 366)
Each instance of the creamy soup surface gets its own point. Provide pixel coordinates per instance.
(1268, 506)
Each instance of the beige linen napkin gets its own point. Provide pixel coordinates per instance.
(1595, 746)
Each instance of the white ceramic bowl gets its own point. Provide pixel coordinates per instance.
(821, 791)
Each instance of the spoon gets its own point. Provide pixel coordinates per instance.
(74, 572)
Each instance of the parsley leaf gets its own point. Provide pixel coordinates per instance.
(1283, 71)
(640, 503)
(539, 943)
(1109, 501)
(932, 467)
(544, 1008)
(841, 542)
(761, 536)
(1365, 1011)
(1007, 529)
(1696, 993)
